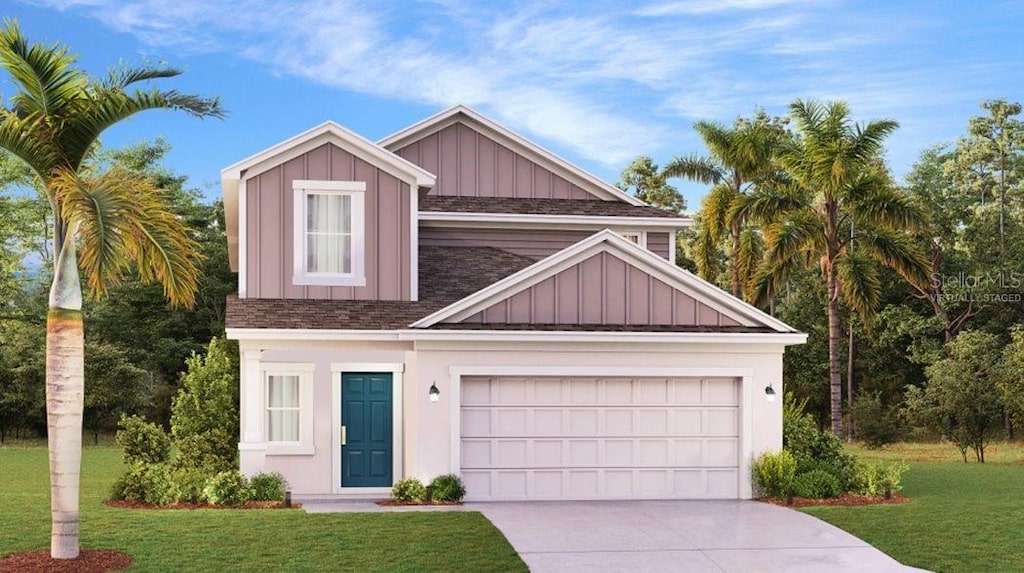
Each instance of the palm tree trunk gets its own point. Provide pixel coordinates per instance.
(737, 291)
(835, 381)
(65, 399)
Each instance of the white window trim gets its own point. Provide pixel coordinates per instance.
(641, 237)
(357, 191)
(305, 372)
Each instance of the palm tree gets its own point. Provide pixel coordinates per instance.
(740, 159)
(836, 179)
(114, 219)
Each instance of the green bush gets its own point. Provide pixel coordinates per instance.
(447, 488)
(268, 487)
(204, 414)
(774, 474)
(798, 427)
(817, 484)
(409, 489)
(142, 441)
(189, 484)
(813, 449)
(228, 488)
(211, 452)
(147, 483)
(880, 478)
(877, 425)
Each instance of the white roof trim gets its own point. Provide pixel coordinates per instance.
(607, 240)
(518, 142)
(330, 131)
(730, 338)
(545, 219)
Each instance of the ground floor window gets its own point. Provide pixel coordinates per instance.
(288, 408)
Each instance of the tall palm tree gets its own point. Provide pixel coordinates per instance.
(740, 159)
(103, 223)
(835, 179)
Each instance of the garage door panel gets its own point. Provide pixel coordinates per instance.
(587, 438)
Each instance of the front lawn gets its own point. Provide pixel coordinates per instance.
(243, 540)
(961, 517)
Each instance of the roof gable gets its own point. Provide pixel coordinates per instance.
(578, 182)
(604, 280)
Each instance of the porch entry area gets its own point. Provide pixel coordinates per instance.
(367, 429)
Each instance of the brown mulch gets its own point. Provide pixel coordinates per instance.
(88, 561)
(395, 502)
(847, 499)
(181, 505)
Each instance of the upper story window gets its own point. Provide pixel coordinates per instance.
(330, 240)
(638, 237)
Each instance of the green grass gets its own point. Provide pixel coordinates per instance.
(243, 540)
(961, 517)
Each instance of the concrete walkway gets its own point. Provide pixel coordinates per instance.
(678, 536)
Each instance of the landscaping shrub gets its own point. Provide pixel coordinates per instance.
(447, 488)
(189, 484)
(880, 478)
(817, 484)
(774, 474)
(228, 488)
(409, 489)
(142, 441)
(877, 425)
(204, 414)
(814, 449)
(148, 483)
(268, 487)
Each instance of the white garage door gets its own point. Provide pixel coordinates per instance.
(600, 438)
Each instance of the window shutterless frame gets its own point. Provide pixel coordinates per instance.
(303, 445)
(355, 191)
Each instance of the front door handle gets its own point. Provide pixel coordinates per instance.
(344, 436)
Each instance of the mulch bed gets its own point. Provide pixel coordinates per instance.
(847, 499)
(247, 505)
(395, 502)
(88, 561)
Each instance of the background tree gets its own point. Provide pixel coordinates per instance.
(835, 180)
(740, 159)
(645, 182)
(119, 219)
(962, 400)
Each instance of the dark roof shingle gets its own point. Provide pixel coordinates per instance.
(520, 206)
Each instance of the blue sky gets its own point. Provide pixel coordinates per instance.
(597, 82)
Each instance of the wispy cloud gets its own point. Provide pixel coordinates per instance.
(602, 79)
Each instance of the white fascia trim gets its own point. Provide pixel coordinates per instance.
(451, 219)
(440, 120)
(412, 335)
(328, 131)
(243, 243)
(681, 279)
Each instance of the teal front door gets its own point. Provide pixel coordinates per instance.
(367, 429)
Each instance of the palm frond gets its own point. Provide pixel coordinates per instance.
(695, 168)
(875, 203)
(899, 252)
(792, 238)
(48, 84)
(25, 137)
(859, 283)
(771, 203)
(719, 140)
(714, 210)
(122, 218)
(121, 77)
(750, 255)
(706, 256)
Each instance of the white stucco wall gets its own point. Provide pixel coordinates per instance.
(430, 433)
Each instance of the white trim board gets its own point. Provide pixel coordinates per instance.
(606, 241)
(491, 220)
(513, 141)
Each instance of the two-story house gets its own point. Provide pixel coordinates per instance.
(456, 299)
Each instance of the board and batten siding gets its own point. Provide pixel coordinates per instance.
(533, 243)
(602, 289)
(269, 228)
(470, 164)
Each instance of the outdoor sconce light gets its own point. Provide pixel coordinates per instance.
(435, 394)
(769, 393)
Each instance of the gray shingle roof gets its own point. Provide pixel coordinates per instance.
(521, 206)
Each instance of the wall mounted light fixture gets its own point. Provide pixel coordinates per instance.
(435, 394)
(769, 393)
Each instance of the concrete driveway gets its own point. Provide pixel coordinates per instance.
(678, 536)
